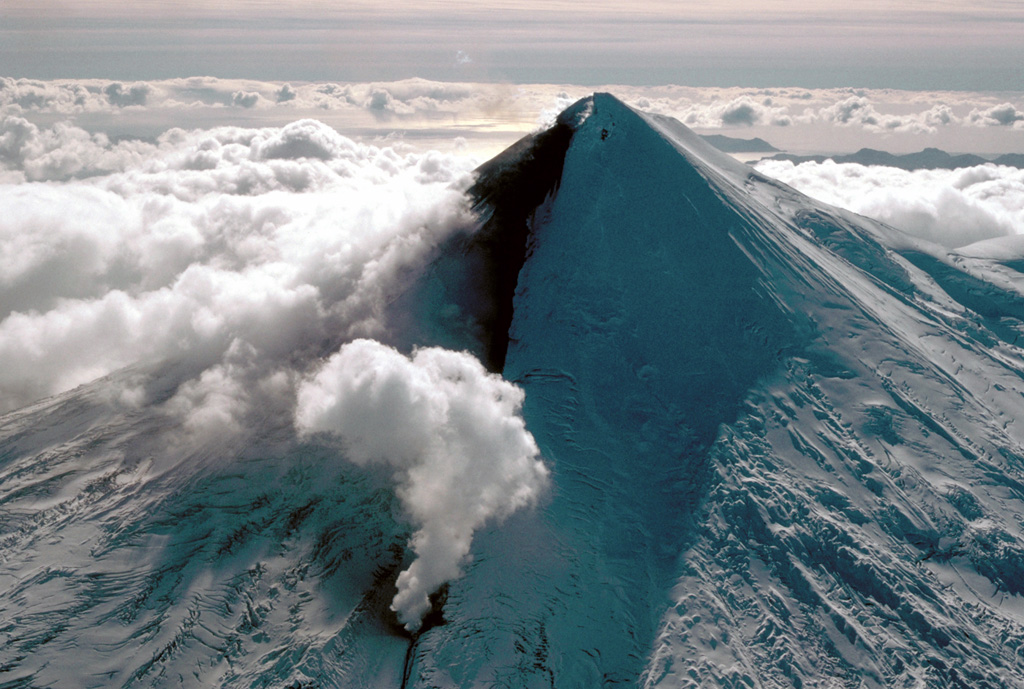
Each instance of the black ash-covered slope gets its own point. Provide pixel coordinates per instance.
(477, 273)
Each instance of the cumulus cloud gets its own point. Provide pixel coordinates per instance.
(860, 111)
(950, 207)
(1003, 115)
(20, 95)
(741, 111)
(407, 98)
(451, 432)
(241, 250)
(246, 99)
(872, 112)
(62, 151)
(852, 109)
(301, 139)
(492, 115)
(939, 115)
(120, 96)
(747, 112)
(286, 93)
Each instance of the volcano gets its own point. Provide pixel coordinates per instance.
(783, 440)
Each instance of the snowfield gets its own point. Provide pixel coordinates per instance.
(779, 446)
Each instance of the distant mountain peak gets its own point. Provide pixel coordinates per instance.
(729, 144)
(927, 159)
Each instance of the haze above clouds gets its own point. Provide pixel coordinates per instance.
(911, 45)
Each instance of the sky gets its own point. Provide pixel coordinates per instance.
(860, 43)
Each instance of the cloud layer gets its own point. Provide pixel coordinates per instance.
(951, 207)
(207, 100)
(232, 248)
(451, 432)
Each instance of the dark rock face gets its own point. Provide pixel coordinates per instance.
(464, 299)
(509, 191)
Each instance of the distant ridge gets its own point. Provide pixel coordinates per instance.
(928, 159)
(729, 144)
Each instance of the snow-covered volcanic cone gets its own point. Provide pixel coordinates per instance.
(779, 446)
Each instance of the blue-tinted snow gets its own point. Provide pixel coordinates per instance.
(772, 440)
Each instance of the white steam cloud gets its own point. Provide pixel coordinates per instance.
(950, 207)
(453, 435)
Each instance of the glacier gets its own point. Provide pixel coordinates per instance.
(783, 445)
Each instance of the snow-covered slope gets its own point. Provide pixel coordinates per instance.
(783, 445)
(783, 455)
